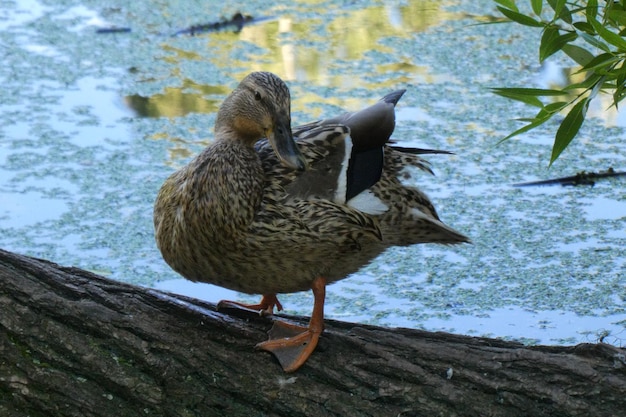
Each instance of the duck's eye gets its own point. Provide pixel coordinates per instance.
(257, 96)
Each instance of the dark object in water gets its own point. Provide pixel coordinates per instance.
(113, 30)
(237, 22)
(581, 178)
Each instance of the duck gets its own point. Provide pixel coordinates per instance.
(269, 209)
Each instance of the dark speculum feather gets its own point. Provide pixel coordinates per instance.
(364, 171)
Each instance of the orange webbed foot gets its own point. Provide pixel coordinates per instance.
(264, 308)
(292, 344)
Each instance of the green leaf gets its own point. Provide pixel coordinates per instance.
(618, 16)
(580, 55)
(509, 4)
(555, 107)
(620, 85)
(584, 27)
(527, 95)
(557, 6)
(533, 124)
(591, 10)
(600, 62)
(551, 109)
(589, 82)
(537, 6)
(561, 11)
(545, 45)
(620, 90)
(593, 41)
(596, 89)
(552, 41)
(607, 35)
(515, 95)
(537, 92)
(566, 15)
(569, 128)
(522, 19)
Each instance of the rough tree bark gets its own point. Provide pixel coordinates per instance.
(77, 344)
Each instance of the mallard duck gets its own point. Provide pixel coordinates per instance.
(267, 210)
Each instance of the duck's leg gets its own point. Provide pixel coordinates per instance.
(291, 344)
(264, 308)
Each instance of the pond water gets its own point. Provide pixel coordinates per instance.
(91, 124)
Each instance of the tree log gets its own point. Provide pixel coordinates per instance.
(77, 344)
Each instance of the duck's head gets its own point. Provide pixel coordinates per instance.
(260, 107)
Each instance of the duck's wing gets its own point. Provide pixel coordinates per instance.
(327, 151)
(370, 130)
(370, 127)
(310, 205)
(353, 164)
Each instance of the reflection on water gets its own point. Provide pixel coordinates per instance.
(309, 49)
(175, 102)
(303, 49)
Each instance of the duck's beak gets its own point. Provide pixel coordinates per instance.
(285, 146)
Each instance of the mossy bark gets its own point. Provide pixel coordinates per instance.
(76, 344)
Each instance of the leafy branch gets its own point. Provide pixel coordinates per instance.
(599, 28)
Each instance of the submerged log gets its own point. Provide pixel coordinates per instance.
(581, 178)
(76, 344)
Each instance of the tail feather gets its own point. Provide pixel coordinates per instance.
(421, 230)
(393, 97)
(420, 151)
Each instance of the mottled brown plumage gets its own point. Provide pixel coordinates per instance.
(269, 216)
